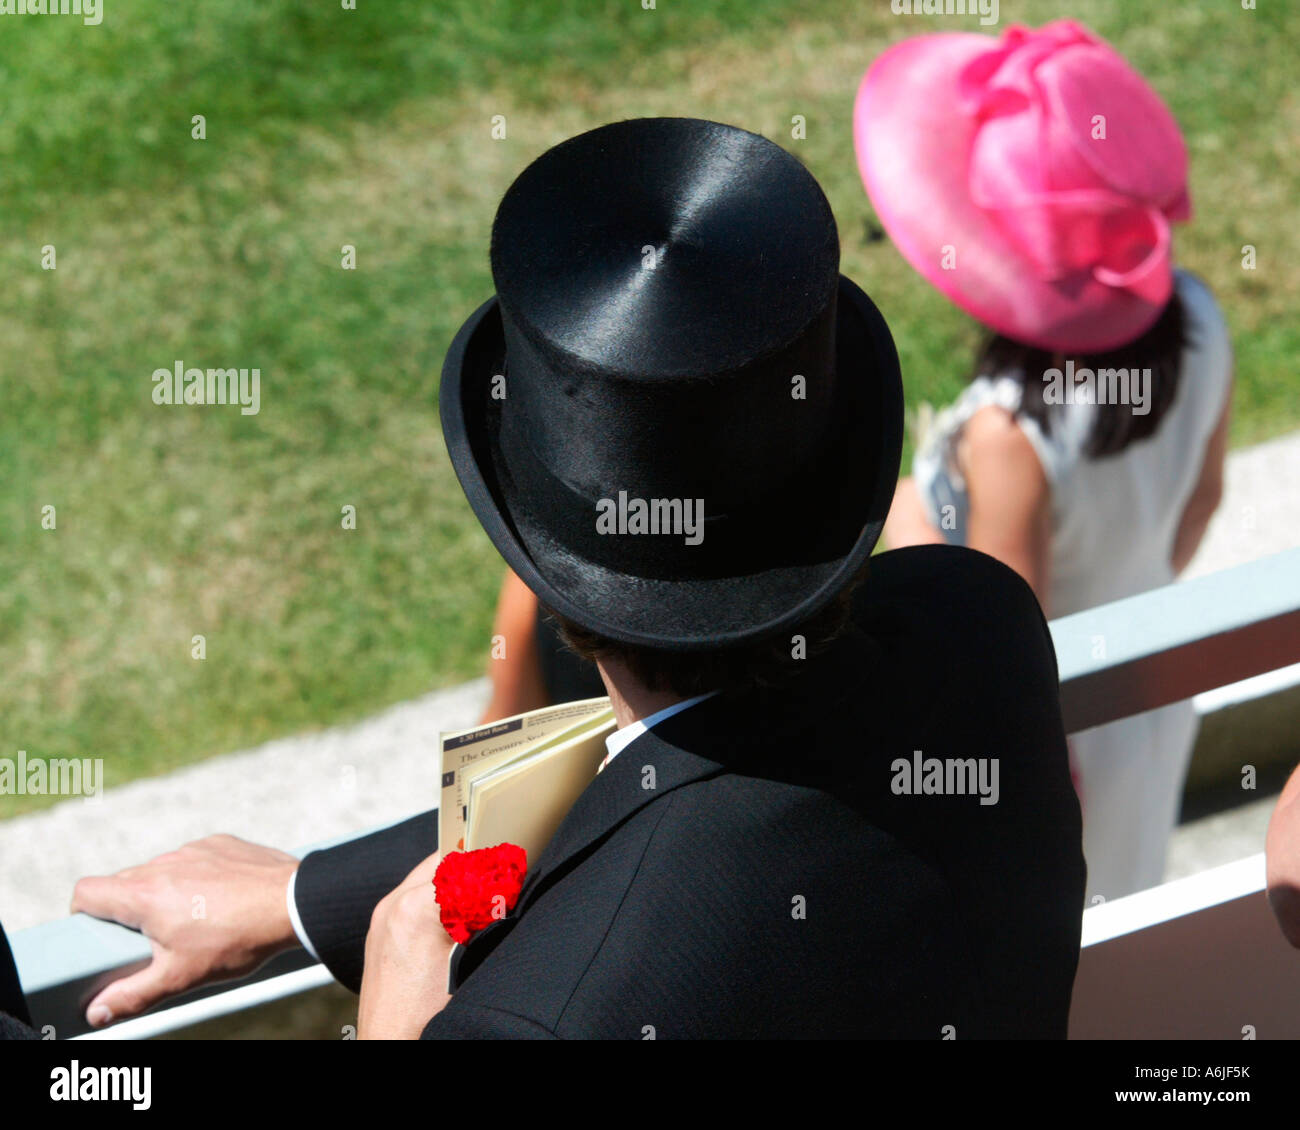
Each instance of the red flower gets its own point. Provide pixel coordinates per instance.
(475, 888)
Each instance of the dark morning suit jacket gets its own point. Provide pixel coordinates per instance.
(748, 869)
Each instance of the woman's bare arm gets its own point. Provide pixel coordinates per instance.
(1206, 495)
(907, 523)
(1010, 499)
(514, 668)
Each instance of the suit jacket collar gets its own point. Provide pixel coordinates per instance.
(650, 767)
(757, 732)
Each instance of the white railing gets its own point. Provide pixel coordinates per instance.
(1197, 957)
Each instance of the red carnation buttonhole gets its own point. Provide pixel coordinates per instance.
(476, 888)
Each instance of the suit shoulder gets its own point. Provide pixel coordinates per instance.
(954, 602)
(757, 846)
(959, 569)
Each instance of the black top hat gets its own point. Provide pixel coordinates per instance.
(676, 421)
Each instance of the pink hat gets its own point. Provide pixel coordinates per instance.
(1032, 179)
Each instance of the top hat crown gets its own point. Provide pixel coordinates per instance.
(670, 324)
(666, 247)
(666, 283)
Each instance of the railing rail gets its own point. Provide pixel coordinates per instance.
(1115, 661)
(1171, 643)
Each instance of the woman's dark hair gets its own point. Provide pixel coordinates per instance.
(1160, 349)
(772, 662)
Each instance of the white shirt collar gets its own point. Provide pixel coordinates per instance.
(621, 739)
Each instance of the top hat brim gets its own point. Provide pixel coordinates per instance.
(776, 593)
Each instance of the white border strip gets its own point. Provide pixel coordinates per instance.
(1247, 690)
(209, 1008)
(1110, 920)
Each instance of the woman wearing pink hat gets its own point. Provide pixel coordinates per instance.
(1033, 180)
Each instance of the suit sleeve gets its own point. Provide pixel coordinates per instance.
(338, 888)
(14, 1019)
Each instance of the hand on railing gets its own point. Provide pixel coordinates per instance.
(213, 910)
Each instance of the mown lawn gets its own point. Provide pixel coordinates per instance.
(328, 127)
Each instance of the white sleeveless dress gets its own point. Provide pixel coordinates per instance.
(1113, 523)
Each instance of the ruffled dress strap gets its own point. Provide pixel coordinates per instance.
(935, 468)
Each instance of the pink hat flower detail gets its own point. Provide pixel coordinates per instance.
(1070, 172)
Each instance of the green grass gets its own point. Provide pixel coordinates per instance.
(371, 127)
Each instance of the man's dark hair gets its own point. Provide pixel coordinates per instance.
(771, 662)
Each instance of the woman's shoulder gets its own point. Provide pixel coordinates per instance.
(987, 416)
(1207, 352)
(1191, 287)
(995, 429)
(1200, 307)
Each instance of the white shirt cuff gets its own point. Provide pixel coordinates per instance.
(292, 904)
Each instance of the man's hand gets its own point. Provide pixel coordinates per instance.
(213, 910)
(407, 953)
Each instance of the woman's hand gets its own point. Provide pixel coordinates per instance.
(407, 954)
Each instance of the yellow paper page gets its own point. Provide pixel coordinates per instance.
(525, 802)
(467, 752)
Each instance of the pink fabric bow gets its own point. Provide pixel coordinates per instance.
(1075, 159)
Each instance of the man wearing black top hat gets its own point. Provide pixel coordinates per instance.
(681, 427)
